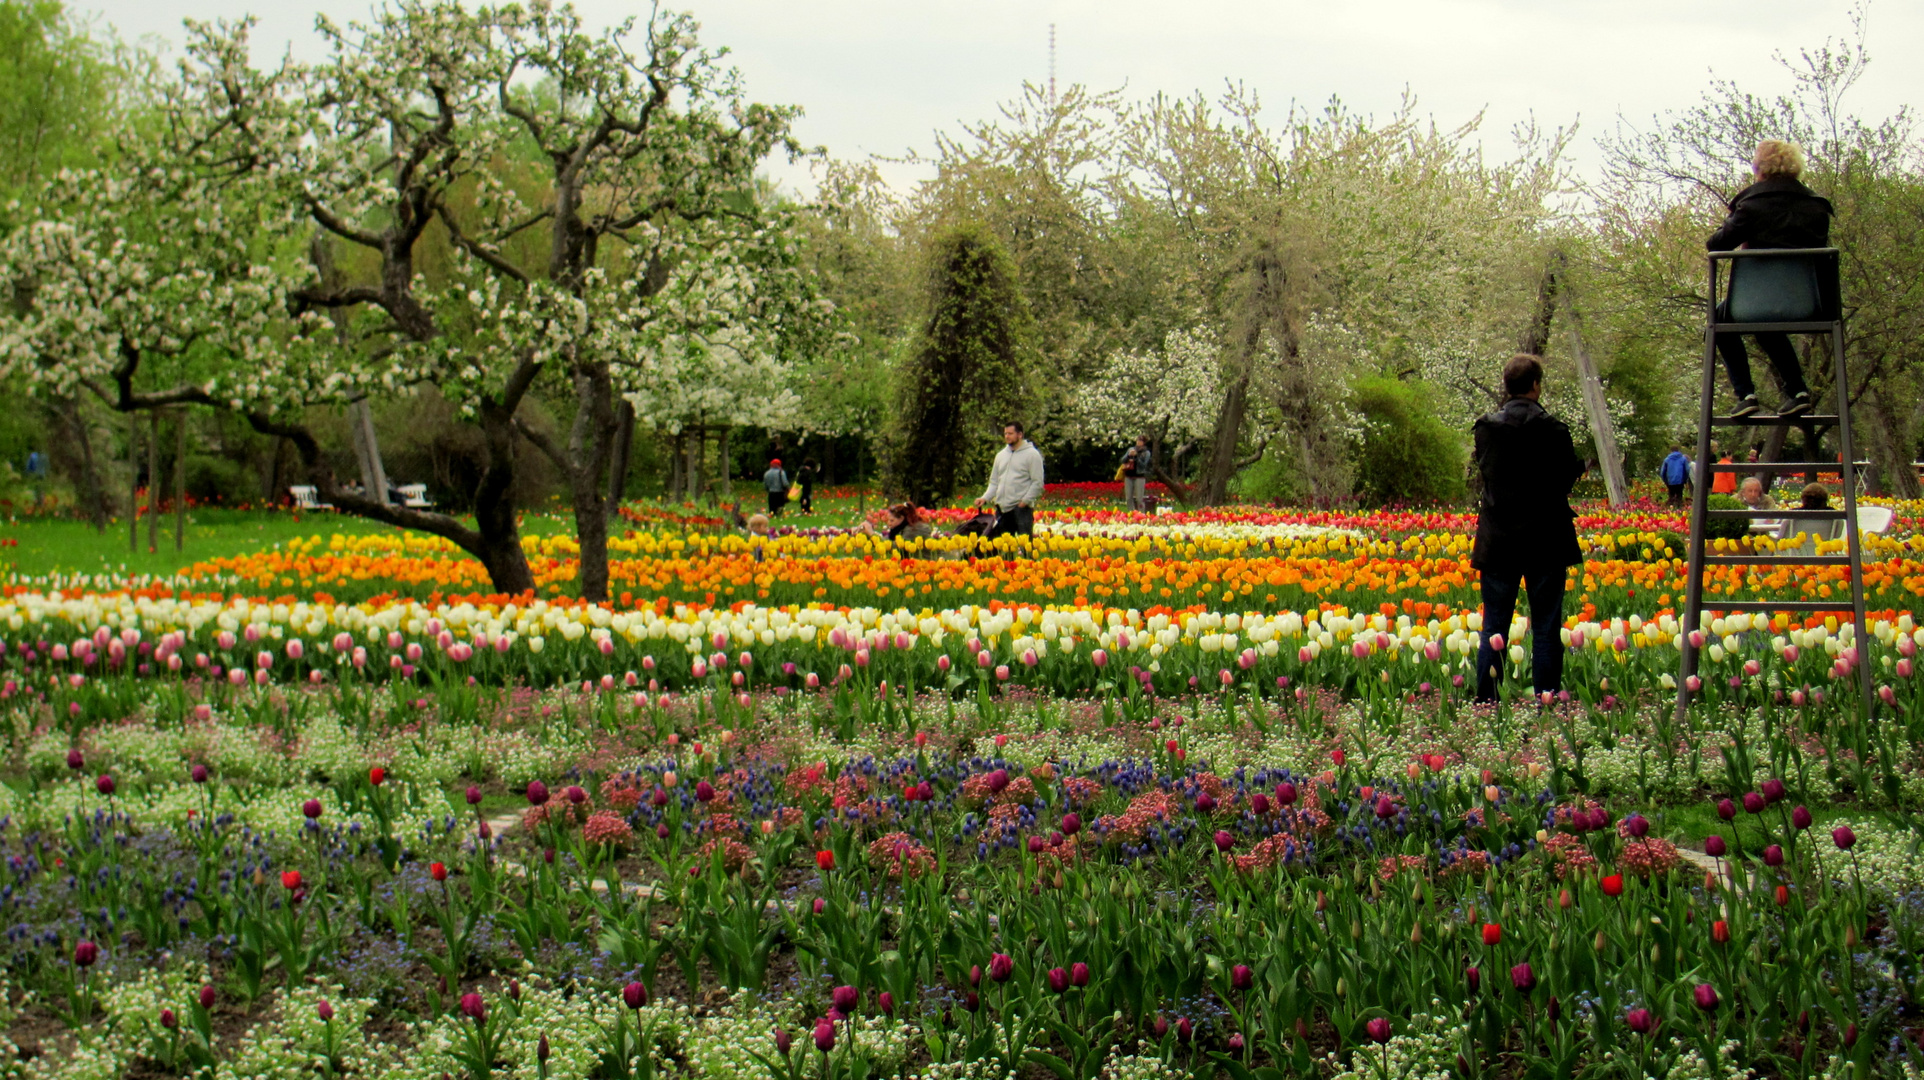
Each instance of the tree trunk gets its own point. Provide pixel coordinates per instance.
(589, 445)
(677, 460)
(367, 449)
(624, 445)
(725, 468)
(1884, 437)
(1598, 411)
(87, 481)
(133, 483)
(1213, 488)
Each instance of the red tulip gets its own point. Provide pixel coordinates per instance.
(1720, 932)
(438, 871)
(1492, 933)
(290, 880)
(377, 776)
(1613, 885)
(825, 860)
(1783, 896)
(1338, 757)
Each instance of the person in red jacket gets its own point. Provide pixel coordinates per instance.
(1526, 534)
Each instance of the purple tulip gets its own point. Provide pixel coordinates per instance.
(1773, 856)
(1524, 978)
(104, 785)
(1641, 1021)
(537, 793)
(784, 1042)
(885, 1001)
(474, 796)
(1078, 974)
(846, 999)
(704, 791)
(85, 953)
(634, 995)
(311, 809)
(168, 1020)
(1726, 809)
(1160, 1027)
(1241, 978)
(1773, 790)
(1184, 1029)
(1638, 825)
(324, 1011)
(824, 1035)
(1706, 996)
(1714, 846)
(474, 1008)
(198, 774)
(1071, 824)
(1753, 803)
(1059, 980)
(1473, 978)
(1224, 841)
(1205, 803)
(1285, 793)
(1001, 966)
(207, 997)
(975, 975)
(1379, 1029)
(1800, 817)
(577, 795)
(75, 761)
(1844, 837)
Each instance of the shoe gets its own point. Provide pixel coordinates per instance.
(1746, 406)
(1798, 405)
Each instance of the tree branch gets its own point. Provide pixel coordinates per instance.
(461, 240)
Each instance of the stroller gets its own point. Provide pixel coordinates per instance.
(977, 527)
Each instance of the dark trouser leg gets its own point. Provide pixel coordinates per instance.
(1499, 605)
(1546, 630)
(775, 500)
(1017, 522)
(1676, 494)
(1736, 363)
(1783, 357)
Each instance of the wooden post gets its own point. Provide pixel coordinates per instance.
(180, 479)
(133, 483)
(154, 480)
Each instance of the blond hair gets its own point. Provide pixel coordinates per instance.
(1776, 157)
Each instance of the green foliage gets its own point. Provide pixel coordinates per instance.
(964, 377)
(1726, 528)
(56, 85)
(1405, 453)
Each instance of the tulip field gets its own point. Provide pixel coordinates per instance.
(1150, 796)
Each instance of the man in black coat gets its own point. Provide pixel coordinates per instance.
(1526, 534)
(1777, 211)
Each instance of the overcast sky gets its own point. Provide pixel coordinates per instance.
(879, 77)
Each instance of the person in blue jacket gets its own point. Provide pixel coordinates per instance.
(1675, 471)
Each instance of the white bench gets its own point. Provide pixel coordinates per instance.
(306, 497)
(415, 496)
(1871, 521)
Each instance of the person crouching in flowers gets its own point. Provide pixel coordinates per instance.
(1526, 534)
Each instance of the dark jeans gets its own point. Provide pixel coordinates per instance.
(1783, 357)
(1017, 522)
(1676, 494)
(776, 500)
(808, 498)
(1546, 625)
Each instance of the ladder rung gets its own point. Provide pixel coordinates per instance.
(1761, 420)
(1777, 560)
(1806, 327)
(1768, 606)
(1780, 512)
(1783, 466)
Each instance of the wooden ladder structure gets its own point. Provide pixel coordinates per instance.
(1809, 305)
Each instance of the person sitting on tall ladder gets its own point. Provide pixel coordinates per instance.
(1777, 211)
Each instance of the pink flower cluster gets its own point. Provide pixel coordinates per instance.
(735, 854)
(900, 856)
(1649, 855)
(1570, 854)
(1081, 789)
(606, 827)
(1393, 865)
(1143, 811)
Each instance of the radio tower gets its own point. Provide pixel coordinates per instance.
(1052, 65)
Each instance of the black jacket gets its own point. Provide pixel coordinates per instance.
(1776, 213)
(1528, 466)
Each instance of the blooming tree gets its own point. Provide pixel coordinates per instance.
(515, 205)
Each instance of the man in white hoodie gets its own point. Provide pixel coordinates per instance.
(1015, 483)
